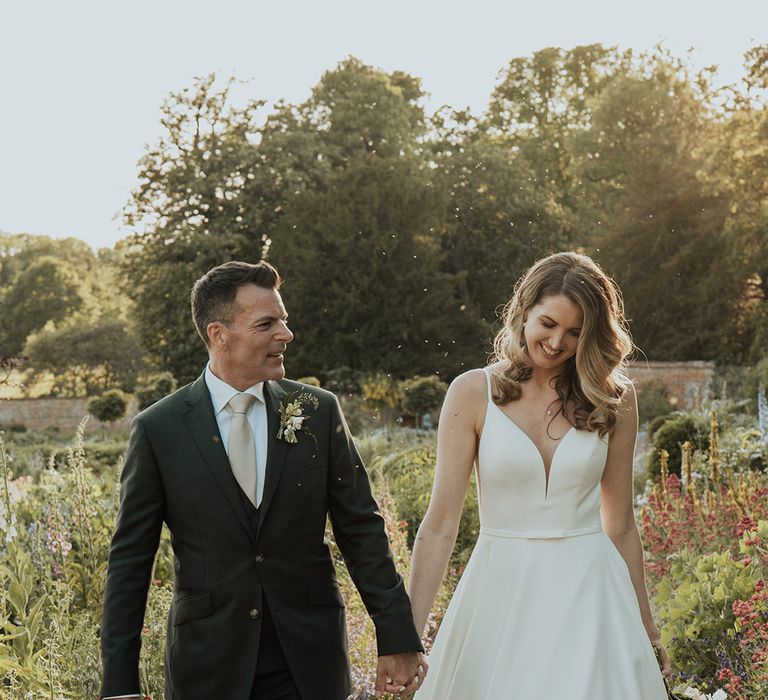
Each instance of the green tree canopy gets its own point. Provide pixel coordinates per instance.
(86, 357)
(48, 289)
(109, 407)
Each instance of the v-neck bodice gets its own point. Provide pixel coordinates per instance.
(516, 497)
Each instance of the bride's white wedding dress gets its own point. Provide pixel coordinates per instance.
(545, 608)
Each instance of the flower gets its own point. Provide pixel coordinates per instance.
(690, 692)
(292, 418)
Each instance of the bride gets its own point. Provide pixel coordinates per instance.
(553, 601)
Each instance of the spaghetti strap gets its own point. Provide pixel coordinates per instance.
(487, 373)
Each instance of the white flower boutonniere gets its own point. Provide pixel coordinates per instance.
(292, 417)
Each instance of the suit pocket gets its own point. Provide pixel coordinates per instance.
(323, 592)
(192, 607)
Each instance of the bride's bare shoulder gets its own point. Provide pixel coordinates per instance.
(470, 388)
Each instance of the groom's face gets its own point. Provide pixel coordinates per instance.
(252, 344)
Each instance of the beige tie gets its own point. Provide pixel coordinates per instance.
(242, 446)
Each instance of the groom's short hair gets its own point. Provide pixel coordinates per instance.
(213, 295)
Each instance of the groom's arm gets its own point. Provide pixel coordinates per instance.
(131, 555)
(359, 531)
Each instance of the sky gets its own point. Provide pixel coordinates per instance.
(81, 83)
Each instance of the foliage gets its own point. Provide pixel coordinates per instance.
(423, 395)
(108, 407)
(653, 402)
(631, 157)
(343, 380)
(48, 289)
(312, 381)
(52, 561)
(707, 567)
(408, 474)
(154, 388)
(62, 293)
(86, 357)
(497, 219)
(670, 437)
(54, 542)
(655, 423)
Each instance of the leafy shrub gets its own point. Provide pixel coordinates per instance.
(408, 476)
(14, 427)
(343, 380)
(423, 395)
(695, 604)
(653, 401)
(671, 435)
(155, 388)
(655, 423)
(108, 407)
(54, 544)
(743, 448)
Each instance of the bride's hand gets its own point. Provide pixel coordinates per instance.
(665, 663)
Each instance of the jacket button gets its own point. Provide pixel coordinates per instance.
(255, 614)
(259, 558)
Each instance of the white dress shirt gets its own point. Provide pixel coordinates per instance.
(221, 393)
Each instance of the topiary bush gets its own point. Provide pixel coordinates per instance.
(670, 437)
(423, 395)
(108, 407)
(655, 423)
(155, 388)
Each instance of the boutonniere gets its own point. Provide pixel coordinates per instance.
(292, 416)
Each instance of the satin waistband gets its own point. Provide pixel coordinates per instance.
(539, 534)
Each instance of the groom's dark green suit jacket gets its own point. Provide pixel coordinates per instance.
(176, 471)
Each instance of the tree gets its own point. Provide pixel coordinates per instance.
(655, 228)
(496, 220)
(86, 357)
(46, 290)
(542, 99)
(423, 395)
(735, 167)
(19, 251)
(108, 407)
(192, 202)
(341, 177)
(377, 218)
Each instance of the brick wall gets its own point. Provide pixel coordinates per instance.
(64, 414)
(687, 383)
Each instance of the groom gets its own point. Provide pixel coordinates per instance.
(244, 466)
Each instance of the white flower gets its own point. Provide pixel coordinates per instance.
(292, 417)
(690, 692)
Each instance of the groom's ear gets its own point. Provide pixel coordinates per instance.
(215, 332)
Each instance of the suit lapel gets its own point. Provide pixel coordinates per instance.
(202, 425)
(277, 450)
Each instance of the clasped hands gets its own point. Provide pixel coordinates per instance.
(400, 673)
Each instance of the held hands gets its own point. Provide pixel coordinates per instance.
(400, 673)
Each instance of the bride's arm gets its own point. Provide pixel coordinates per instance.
(460, 421)
(617, 509)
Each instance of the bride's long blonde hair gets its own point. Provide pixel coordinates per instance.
(594, 380)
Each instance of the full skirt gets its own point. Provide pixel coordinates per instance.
(540, 619)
